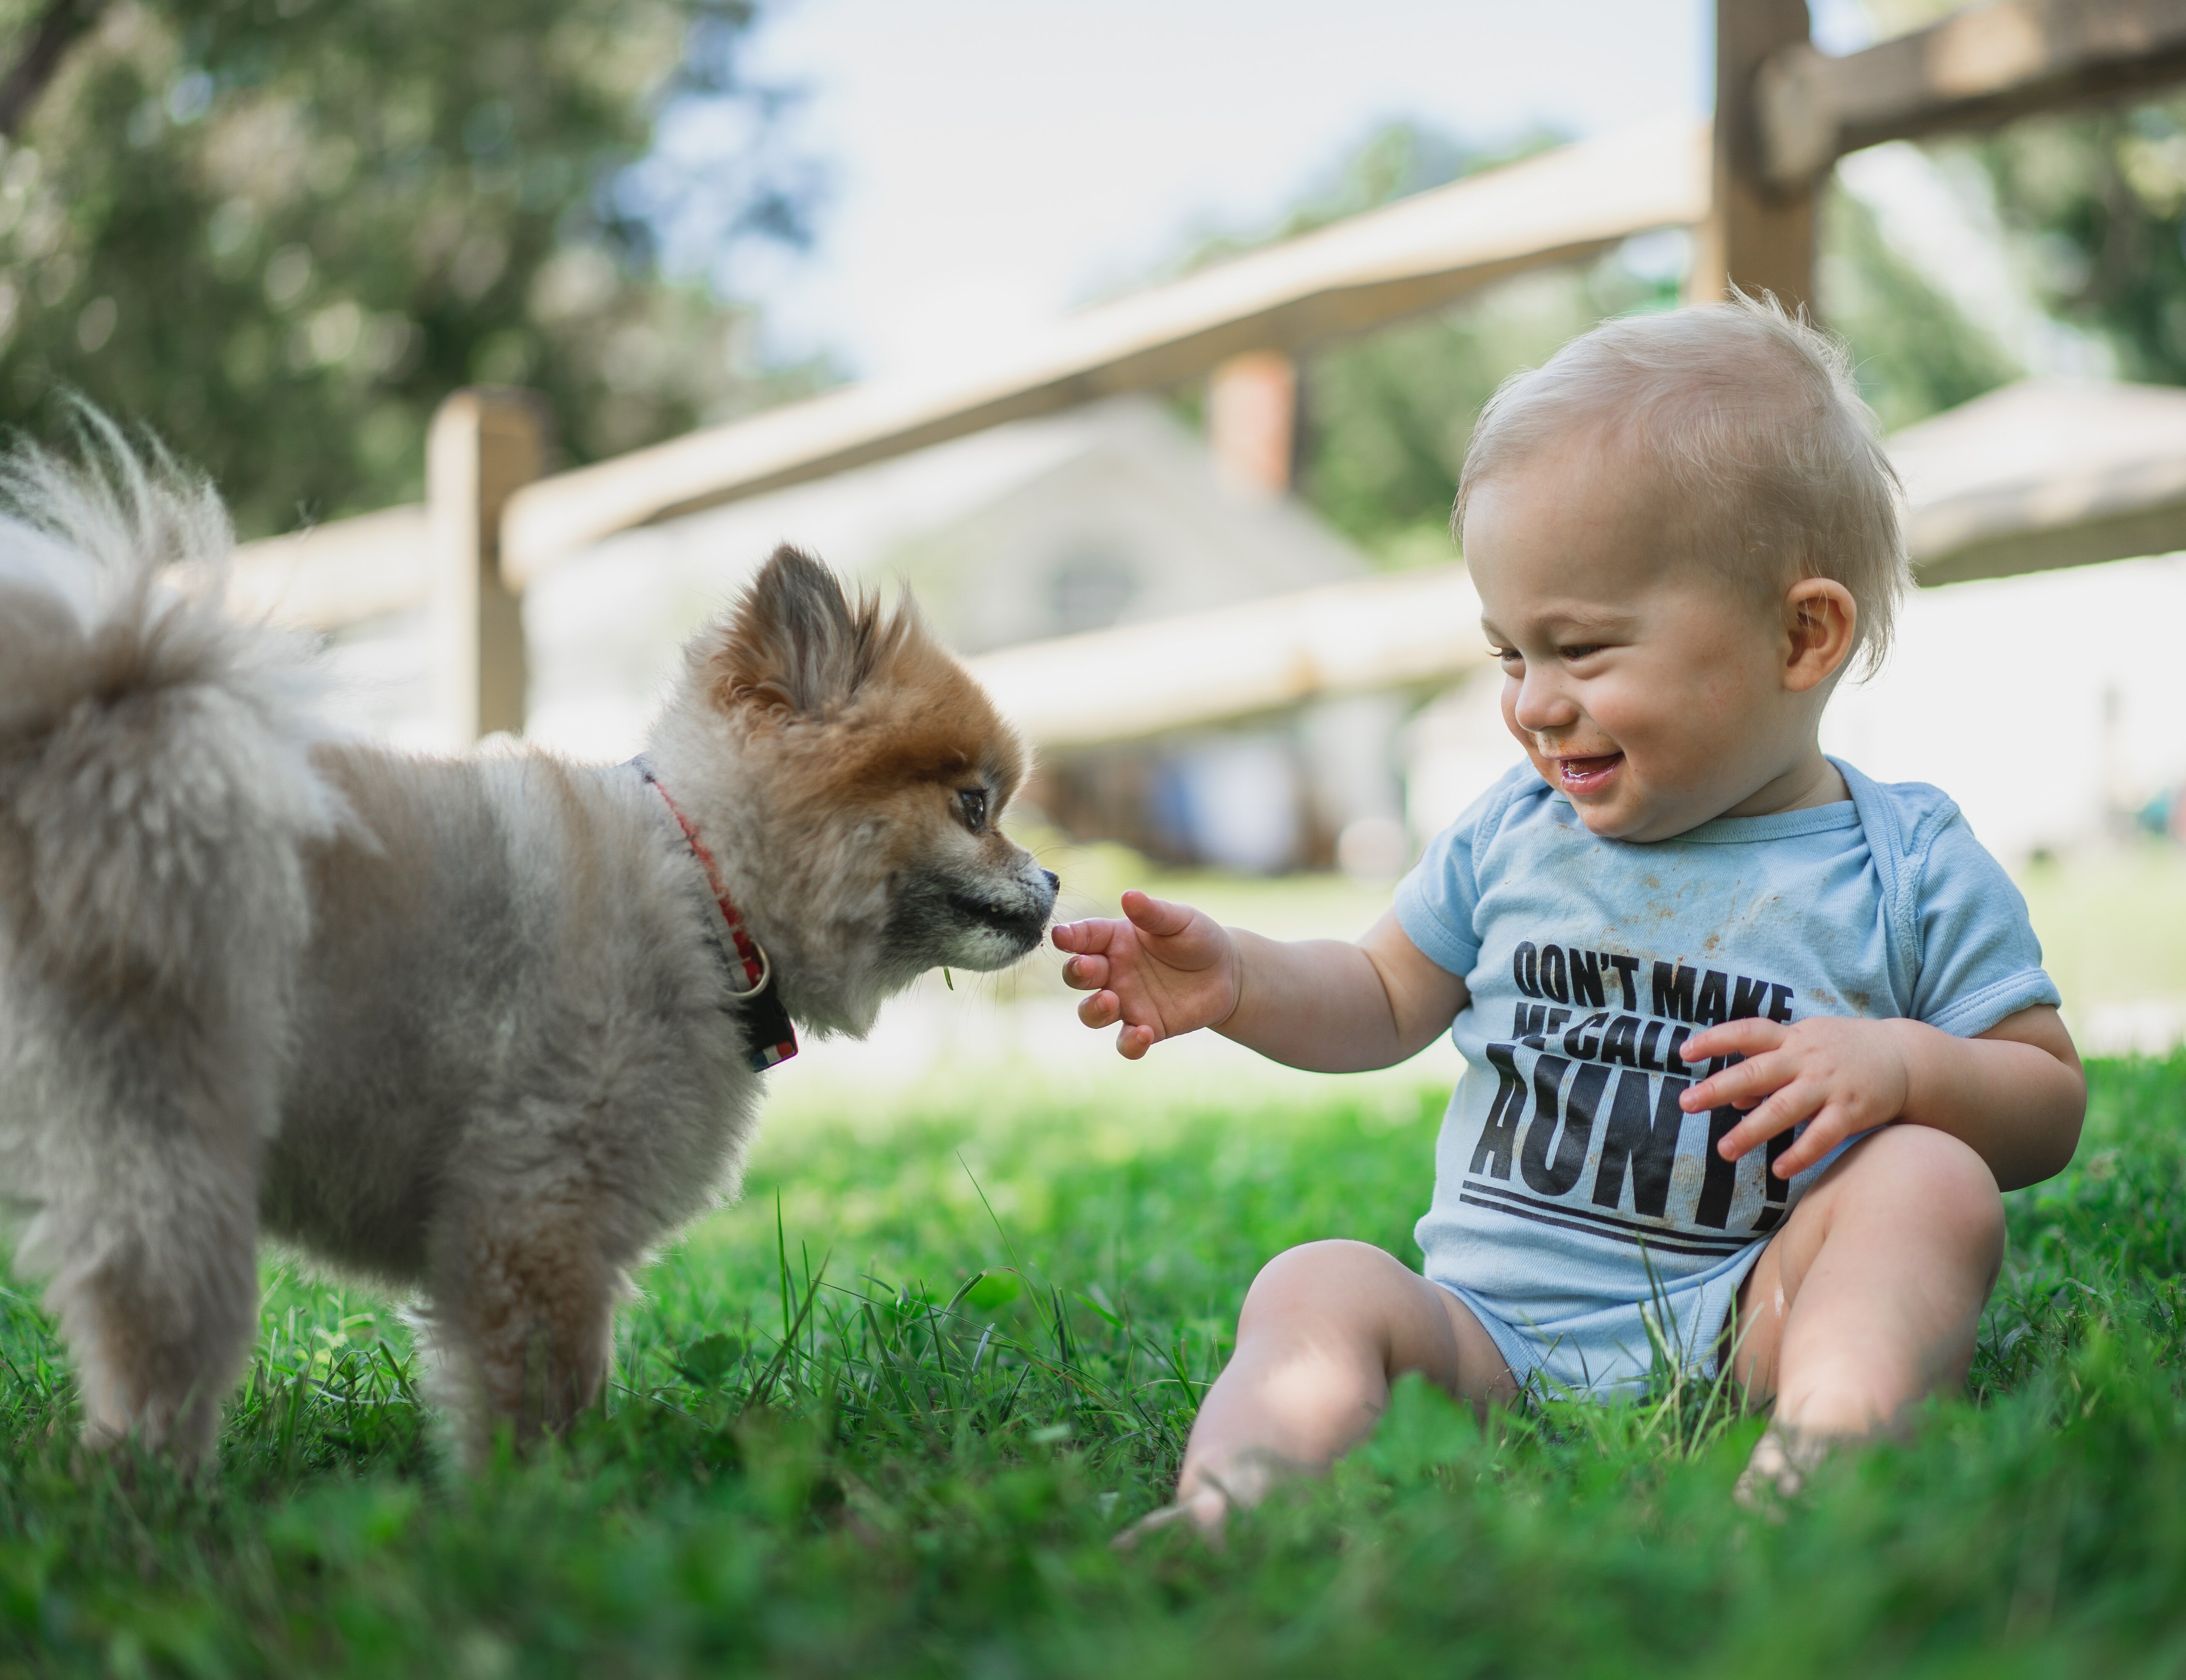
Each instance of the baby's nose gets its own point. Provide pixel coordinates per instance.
(1540, 706)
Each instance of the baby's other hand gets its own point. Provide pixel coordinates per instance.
(1845, 1075)
(1163, 970)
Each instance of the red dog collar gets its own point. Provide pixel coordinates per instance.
(773, 1039)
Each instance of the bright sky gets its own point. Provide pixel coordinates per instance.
(996, 161)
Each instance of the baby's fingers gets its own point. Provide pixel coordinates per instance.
(1738, 1086)
(1830, 1127)
(1102, 1009)
(1748, 1037)
(1157, 916)
(1097, 935)
(1085, 974)
(1134, 1041)
(1782, 1112)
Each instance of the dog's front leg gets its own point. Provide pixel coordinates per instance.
(522, 1317)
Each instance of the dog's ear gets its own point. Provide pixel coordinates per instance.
(795, 641)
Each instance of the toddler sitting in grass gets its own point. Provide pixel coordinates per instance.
(1752, 1042)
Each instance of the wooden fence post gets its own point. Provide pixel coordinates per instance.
(484, 443)
(1757, 236)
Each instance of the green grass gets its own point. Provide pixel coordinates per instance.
(883, 1418)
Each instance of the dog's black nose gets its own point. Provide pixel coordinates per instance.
(1054, 880)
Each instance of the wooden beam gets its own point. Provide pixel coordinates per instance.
(483, 444)
(1758, 235)
(342, 573)
(1562, 205)
(2035, 476)
(1973, 70)
(1410, 628)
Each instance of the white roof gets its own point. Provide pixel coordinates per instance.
(2043, 473)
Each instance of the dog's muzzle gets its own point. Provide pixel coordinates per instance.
(1019, 912)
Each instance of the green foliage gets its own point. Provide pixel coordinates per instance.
(2096, 205)
(1916, 352)
(279, 230)
(852, 1458)
(1387, 417)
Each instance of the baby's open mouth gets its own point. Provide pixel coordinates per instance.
(1588, 775)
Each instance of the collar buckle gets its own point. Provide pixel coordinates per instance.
(771, 1036)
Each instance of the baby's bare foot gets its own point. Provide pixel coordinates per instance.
(1208, 1510)
(1783, 1460)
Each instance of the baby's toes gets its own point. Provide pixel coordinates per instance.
(1777, 1473)
(1207, 1511)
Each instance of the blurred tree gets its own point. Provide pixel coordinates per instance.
(1386, 417)
(2095, 206)
(1916, 351)
(279, 230)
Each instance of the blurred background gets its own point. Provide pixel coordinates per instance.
(281, 232)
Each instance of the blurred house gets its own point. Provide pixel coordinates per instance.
(1109, 514)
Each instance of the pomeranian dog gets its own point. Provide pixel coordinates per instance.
(484, 1032)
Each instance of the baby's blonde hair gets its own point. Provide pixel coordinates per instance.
(1755, 420)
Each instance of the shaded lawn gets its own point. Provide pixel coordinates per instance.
(883, 1419)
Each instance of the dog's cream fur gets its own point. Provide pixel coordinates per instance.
(455, 1026)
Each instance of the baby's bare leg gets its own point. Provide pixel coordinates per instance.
(1870, 1298)
(1326, 1329)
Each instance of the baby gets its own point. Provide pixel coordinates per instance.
(1752, 1042)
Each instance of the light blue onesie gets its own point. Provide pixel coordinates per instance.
(1571, 1191)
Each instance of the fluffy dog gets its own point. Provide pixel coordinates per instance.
(476, 1030)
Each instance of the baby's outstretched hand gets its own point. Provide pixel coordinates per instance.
(1163, 970)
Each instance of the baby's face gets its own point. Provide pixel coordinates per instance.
(1640, 683)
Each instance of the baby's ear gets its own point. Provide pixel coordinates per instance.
(794, 641)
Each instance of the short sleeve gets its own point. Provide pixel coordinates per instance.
(1979, 959)
(1436, 902)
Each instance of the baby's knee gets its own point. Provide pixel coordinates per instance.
(1942, 1180)
(1332, 1269)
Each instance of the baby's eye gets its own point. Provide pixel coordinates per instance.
(1504, 655)
(1573, 655)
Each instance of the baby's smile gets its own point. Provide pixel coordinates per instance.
(1580, 776)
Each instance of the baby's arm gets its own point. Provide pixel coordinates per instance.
(2015, 1095)
(1326, 1004)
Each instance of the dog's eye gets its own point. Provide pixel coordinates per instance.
(972, 802)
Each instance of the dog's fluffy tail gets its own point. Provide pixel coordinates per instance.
(155, 781)
(157, 798)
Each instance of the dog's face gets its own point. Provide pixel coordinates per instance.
(881, 771)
